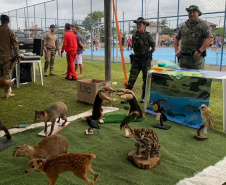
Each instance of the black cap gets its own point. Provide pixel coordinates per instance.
(141, 20)
(193, 8)
(52, 26)
(4, 18)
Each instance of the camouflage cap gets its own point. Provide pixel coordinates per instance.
(194, 8)
(141, 20)
(4, 18)
(52, 26)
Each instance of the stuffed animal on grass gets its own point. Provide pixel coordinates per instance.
(134, 111)
(207, 120)
(129, 96)
(97, 112)
(92, 124)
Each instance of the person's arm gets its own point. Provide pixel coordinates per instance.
(204, 46)
(176, 46)
(45, 43)
(15, 44)
(207, 34)
(57, 46)
(64, 44)
(7, 83)
(153, 50)
(152, 44)
(81, 45)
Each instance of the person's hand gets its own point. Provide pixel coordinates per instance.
(196, 55)
(18, 60)
(83, 49)
(178, 53)
(9, 83)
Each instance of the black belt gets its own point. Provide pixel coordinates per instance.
(142, 56)
(187, 54)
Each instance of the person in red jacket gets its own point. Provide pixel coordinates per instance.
(70, 45)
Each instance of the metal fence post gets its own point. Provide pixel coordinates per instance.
(45, 15)
(16, 20)
(73, 11)
(222, 49)
(113, 31)
(58, 22)
(91, 23)
(25, 22)
(178, 13)
(35, 23)
(142, 8)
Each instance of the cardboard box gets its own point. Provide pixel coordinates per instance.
(87, 89)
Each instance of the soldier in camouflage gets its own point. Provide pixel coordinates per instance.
(9, 52)
(195, 36)
(50, 48)
(141, 60)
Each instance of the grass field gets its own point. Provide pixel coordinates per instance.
(20, 109)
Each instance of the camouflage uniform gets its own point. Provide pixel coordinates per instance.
(141, 45)
(51, 52)
(9, 48)
(192, 37)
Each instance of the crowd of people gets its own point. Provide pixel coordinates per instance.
(217, 42)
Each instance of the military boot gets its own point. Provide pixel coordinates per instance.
(8, 95)
(52, 74)
(45, 74)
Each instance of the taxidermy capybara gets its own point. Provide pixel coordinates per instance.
(57, 110)
(7, 134)
(49, 147)
(78, 163)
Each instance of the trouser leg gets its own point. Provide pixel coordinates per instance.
(52, 60)
(145, 68)
(134, 72)
(47, 59)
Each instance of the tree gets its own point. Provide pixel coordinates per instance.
(96, 16)
(218, 31)
(167, 31)
(164, 22)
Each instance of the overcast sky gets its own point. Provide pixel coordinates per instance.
(131, 8)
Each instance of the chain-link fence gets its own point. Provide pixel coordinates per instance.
(164, 17)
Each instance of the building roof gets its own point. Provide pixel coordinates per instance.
(33, 28)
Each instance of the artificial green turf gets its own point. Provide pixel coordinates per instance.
(182, 155)
(117, 118)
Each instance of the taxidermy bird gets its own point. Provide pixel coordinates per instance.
(207, 120)
(7, 134)
(159, 109)
(129, 118)
(92, 124)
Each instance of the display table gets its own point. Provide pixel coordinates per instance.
(215, 75)
(33, 68)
